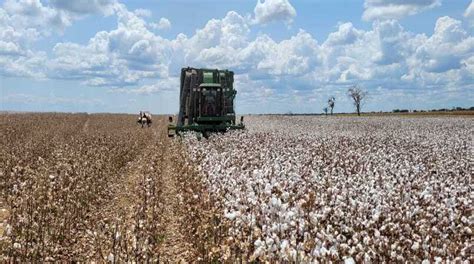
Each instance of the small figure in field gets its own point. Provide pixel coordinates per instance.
(144, 117)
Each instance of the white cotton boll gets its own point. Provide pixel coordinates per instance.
(232, 215)
(111, 257)
(284, 244)
(349, 260)
(377, 233)
(258, 243)
(275, 228)
(366, 258)
(276, 202)
(333, 251)
(268, 189)
(274, 248)
(16, 245)
(415, 246)
(8, 230)
(366, 240)
(269, 241)
(258, 252)
(352, 250)
(289, 215)
(316, 252)
(426, 194)
(324, 251)
(345, 246)
(376, 216)
(425, 261)
(313, 218)
(134, 242)
(467, 230)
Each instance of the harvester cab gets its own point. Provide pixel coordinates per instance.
(206, 102)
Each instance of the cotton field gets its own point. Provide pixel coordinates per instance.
(370, 189)
(100, 189)
(92, 189)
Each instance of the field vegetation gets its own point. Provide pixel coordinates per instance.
(304, 188)
(78, 187)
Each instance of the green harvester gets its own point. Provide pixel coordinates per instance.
(206, 102)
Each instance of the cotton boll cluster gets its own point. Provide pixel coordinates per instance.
(343, 189)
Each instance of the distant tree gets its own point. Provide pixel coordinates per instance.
(331, 103)
(358, 96)
(325, 109)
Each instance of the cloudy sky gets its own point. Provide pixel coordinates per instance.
(288, 55)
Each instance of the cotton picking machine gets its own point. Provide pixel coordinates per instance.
(206, 102)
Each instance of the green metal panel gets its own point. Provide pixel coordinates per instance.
(208, 77)
(214, 118)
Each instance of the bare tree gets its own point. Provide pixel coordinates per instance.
(358, 95)
(331, 103)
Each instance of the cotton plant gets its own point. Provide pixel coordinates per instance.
(343, 189)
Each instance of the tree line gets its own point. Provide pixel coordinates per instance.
(359, 97)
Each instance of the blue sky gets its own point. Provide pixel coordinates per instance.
(289, 55)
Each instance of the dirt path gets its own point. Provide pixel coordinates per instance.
(176, 246)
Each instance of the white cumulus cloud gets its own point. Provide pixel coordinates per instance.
(469, 13)
(395, 9)
(274, 10)
(444, 51)
(142, 12)
(84, 7)
(164, 23)
(132, 58)
(33, 14)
